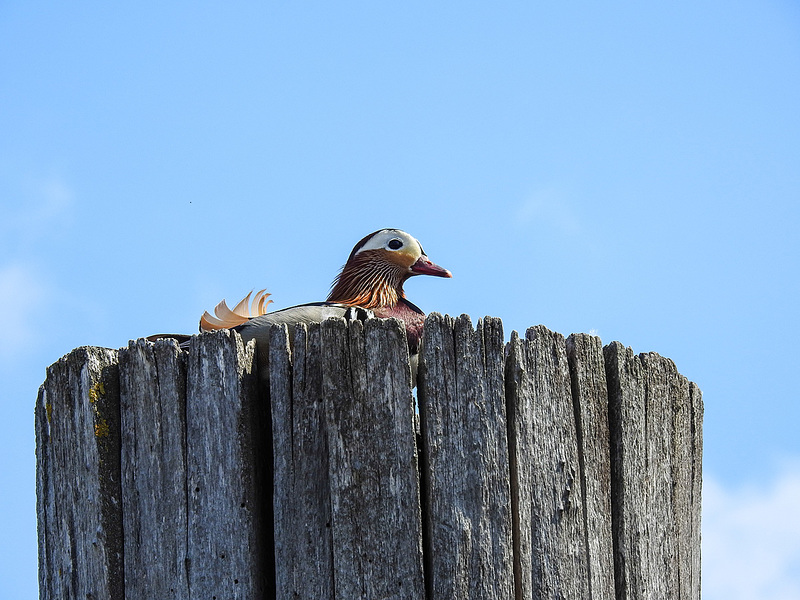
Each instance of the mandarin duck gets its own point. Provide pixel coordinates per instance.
(369, 284)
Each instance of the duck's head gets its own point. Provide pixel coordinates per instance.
(379, 264)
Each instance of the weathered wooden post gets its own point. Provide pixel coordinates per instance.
(78, 487)
(538, 468)
(465, 453)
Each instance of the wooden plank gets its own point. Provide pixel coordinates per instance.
(662, 553)
(465, 458)
(303, 551)
(78, 493)
(696, 398)
(626, 415)
(228, 537)
(374, 485)
(153, 417)
(590, 404)
(550, 557)
(194, 494)
(656, 447)
(681, 467)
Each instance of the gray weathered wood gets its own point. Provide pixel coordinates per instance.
(375, 502)
(170, 475)
(465, 458)
(546, 485)
(653, 416)
(681, 471)
(225, 432)
(79, 504)
(628, 469)
(153, 417)
(693, 532)
(590, 403)
(303, 545)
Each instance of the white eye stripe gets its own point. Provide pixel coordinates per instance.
(385, 237)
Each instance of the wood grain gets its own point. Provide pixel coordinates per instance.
(374, 484)
(465, 450)
(654, 417)
(590, 405)
(551, 551)
(303, 540)
(78, 488)
(226, 536)
(541, 468)
(154, 495)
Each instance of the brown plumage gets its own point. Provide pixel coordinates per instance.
(374, 275)
(371, 279)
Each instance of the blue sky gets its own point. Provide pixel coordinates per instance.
(629, 170)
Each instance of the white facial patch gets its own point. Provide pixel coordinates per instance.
(393, 240)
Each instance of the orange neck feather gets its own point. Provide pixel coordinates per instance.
(368, 281)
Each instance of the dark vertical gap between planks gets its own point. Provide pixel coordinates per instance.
(424, 464)
(261, 433)
(513, 370)
(425, 508)
(111, 474)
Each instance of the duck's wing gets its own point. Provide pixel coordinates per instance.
(315, 312)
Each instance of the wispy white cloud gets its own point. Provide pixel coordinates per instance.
(56, 199)
(22, 299)
(549, 207)
(751, 540)
(36, 208)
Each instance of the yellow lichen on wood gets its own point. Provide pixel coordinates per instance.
(101, 428)
(96, 392)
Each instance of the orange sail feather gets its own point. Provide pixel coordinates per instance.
(226, 318)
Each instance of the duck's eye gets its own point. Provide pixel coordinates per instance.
(395, 244)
